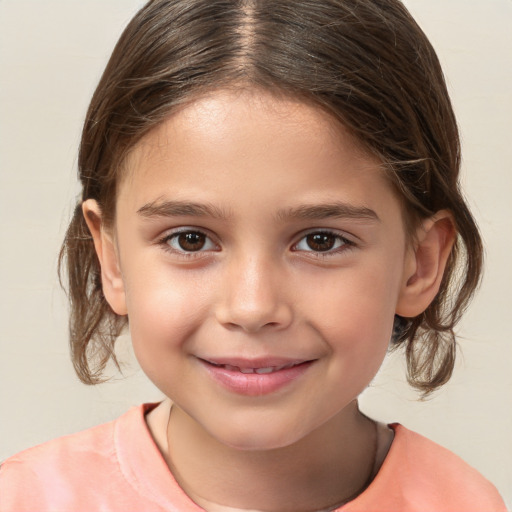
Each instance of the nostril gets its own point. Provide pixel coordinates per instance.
(254, 311)
(250, 327)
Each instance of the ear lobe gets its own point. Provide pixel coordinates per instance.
(111, 277)
(425, 264)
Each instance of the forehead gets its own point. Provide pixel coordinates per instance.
(222, 111)
(244, 113)
(233, 138)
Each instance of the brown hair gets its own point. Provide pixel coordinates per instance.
(365, 61)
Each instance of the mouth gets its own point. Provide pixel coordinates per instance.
(255, 377)
(260, 370)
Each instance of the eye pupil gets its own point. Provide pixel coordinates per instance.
(321, 241)
(191, 241)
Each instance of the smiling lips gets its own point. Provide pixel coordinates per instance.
(259, 371)
(255, 378)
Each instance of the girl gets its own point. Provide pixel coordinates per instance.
(270, 194)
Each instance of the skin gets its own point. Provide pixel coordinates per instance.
(256, 286)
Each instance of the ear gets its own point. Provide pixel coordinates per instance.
(111, 277)
(425, 264)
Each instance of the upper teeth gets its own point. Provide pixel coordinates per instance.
(269, 369)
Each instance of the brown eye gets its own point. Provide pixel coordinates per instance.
(191, 241)
(321, 242)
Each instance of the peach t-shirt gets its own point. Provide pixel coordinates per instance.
(117, 467)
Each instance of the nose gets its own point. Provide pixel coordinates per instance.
(253, 296)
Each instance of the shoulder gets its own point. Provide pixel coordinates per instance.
(425, 457)
(52, 473)
(62, 451)
(420, 475)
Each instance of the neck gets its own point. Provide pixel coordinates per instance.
(329, 466)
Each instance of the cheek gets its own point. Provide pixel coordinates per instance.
(355, 319)
(362, 303)
(163, 311)
(163, 319)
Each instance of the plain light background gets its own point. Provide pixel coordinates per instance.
(52, 53)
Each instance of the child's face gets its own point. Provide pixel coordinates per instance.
(253, 233)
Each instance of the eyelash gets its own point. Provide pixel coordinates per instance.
(344, 243)
(182, 253)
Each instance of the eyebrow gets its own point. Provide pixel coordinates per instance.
(336, 210)
(180, 209)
